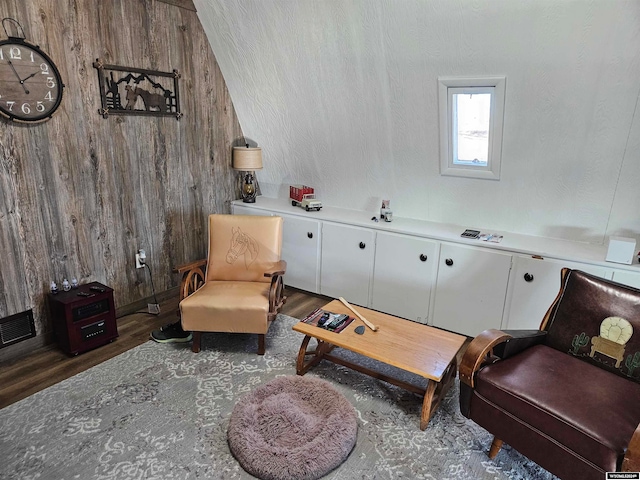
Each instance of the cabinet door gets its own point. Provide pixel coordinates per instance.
(301, 251)
(347, 262)
(535, 284)
(404, 273)
(471, 289)
(627, 278)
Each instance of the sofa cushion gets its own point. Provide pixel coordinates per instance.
(598, 321)
(577, 404)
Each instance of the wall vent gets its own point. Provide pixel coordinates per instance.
(15, 328)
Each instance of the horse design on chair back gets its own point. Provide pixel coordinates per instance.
(242, 244)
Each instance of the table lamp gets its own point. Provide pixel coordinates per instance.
(247, 159)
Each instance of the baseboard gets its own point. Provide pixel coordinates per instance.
(141, 305)
(18, 350)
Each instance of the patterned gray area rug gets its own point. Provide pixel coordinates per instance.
(162, 412)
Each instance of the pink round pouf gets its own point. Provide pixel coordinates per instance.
(292, 428)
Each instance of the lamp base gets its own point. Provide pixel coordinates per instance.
(248, 191)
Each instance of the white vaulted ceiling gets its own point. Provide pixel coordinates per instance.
(342, 95)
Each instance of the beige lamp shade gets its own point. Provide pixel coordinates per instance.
(247, 159)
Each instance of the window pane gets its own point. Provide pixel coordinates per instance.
(471, 120)
(471, 113)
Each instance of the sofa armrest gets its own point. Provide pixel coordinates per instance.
(479, 353)
(193, 277)
(278, 268)
(631, 461)
(519, 341)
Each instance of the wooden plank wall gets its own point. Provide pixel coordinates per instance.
(80, 194)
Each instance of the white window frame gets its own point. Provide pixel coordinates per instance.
(447, 86)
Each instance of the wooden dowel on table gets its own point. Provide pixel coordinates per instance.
(357, 314)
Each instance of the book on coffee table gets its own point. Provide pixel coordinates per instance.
(334, 322)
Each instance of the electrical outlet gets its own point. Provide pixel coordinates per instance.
(141, 258)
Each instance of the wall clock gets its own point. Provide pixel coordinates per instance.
(30, 83)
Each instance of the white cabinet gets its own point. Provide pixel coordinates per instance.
(404, 274)
(535, 284)
(627, 278)
(347, 262)
(340, 253)
(471, 289)
(301, 251)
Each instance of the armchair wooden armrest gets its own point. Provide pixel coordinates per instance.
(479, 352)
(492, 345)
(276, 291)
(278, 268)
(192, 277)
(519, 341)
(631, 461)
(189, 266)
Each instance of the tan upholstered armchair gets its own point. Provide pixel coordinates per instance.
(239, 287)
(566, 396)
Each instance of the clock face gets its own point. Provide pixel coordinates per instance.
(30, 84)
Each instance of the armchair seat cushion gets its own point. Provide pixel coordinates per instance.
(222, 306)
(578, 405)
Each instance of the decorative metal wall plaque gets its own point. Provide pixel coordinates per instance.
(134, 91)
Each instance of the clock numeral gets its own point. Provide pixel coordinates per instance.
(26, 108)
(40, 106)
(10, 105)
(48, 96)
(1, 55)
(45, 68)
(15, 53)
(50, 82)
(32, 59)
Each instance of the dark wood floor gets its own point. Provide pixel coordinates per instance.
(48, 365)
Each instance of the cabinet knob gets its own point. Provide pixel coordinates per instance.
(362, 245)
(309, 234)
(528, 277)
(449, 262)
(423, 257)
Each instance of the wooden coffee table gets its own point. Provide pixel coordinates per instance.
(416, 348)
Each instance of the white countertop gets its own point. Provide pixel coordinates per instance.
(512, 242)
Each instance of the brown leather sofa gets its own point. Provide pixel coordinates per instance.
(566, 396)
